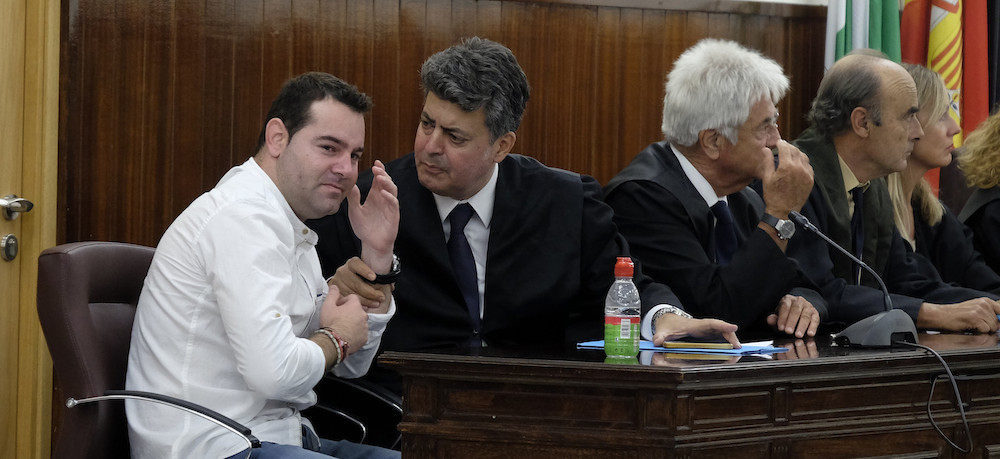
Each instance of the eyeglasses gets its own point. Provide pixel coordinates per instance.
(764, 130)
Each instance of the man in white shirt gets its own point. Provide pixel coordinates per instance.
(235, 314)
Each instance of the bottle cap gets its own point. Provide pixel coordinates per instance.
(624, 267)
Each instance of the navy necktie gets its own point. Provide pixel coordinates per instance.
(858, 228)
(463, 262)
(725, 233)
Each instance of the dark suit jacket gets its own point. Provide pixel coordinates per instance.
(550, 260)
(911, 280)
(949, 247)
(670, 229)
(982, 214)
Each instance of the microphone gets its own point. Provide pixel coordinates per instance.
(879, 330)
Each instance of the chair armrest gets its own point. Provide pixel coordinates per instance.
(387, 397)
(183, 405)
(357, 405)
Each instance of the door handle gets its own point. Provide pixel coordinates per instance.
(13, 206)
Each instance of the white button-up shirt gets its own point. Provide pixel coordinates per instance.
(233, 293)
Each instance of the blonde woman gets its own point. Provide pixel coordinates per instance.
(929, 228)
(981, 165)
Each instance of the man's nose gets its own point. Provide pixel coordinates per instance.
(434, 141)
(773, 135)
(342, 164)
(916, 131)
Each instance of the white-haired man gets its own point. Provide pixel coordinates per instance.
(686, 208)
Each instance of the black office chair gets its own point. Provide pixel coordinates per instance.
(87, 294)
(356, 410)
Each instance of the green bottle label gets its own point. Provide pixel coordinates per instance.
(621, 335)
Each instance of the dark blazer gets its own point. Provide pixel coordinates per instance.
(949, 247)
(982, 214)
(670, 229)
(911, 280)
(550, 260)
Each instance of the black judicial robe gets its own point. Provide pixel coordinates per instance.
(911, 280)
(982, 214)
(670, 229)
(949, 247)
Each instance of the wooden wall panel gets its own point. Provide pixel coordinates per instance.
(160, 97)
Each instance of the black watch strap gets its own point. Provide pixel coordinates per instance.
(388, 278)
(784, 228)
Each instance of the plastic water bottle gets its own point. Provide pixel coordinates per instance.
(621, 313)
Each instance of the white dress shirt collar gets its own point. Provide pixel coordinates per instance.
(699, 181)
(303, 234)
(482, 201)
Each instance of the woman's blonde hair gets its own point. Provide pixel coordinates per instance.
(980, 161)
(933, 99)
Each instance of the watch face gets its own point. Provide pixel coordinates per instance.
(785, 228)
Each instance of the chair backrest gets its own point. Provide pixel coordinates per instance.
(87, 294)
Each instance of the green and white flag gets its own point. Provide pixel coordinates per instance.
(852, 24)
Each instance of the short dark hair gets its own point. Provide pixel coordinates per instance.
(292, 106)
(854, 83)
(480, 73)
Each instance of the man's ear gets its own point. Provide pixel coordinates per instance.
(710, 141)
(275, 137)
(860, 123)
(504, 144)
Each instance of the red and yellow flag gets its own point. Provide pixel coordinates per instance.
(950, 36)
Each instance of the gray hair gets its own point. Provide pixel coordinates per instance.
(713, 85)
(480, 73)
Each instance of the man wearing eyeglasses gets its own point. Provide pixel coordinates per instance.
(685, 207)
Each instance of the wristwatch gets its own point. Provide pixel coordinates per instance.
(785, 228)
(667, 310)
(388, 278)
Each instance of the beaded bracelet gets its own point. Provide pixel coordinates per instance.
(345, 347)
(336, 344)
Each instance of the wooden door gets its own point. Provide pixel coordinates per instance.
(29, 103)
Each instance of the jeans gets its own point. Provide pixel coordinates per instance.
(314, 447)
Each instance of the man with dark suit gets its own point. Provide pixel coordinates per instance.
(863, 124)
(719, 138)
(543, 244)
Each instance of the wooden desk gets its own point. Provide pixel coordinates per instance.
(821, 401)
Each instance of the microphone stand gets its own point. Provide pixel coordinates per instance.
(879, 330)
(890, 328)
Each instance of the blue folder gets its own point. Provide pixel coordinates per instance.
(747, 349)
